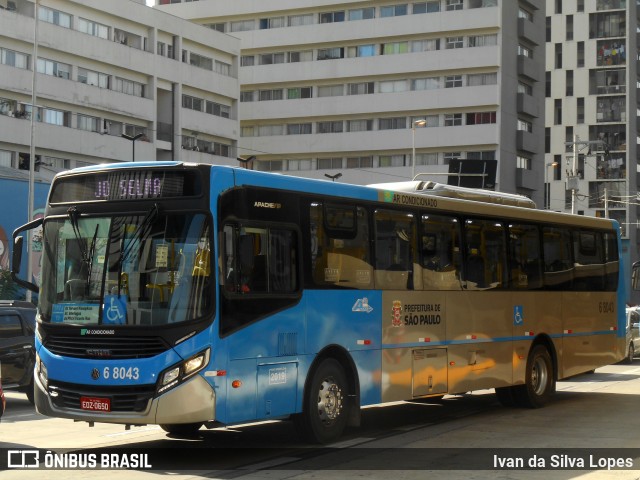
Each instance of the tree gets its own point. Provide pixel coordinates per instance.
(9, 290)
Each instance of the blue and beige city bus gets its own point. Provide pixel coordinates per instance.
(187, 295)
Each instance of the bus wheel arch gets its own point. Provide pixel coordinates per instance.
(331, 397)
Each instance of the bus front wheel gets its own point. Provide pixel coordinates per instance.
(539, 379)
(324, 413)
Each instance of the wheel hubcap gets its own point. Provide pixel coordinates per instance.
(330, 401)
(539, 376)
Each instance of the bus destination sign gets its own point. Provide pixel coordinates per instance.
(125, 185)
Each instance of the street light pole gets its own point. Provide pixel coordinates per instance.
(32, 148)
(133, 143)
(420, 122)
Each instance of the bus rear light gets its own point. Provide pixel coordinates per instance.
(364, 342)
(180, 372)
(566, 332)
(236, 383)
(528, 334)
(425, 340)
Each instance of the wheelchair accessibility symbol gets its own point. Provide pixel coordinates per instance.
(518, 315)
(114, 310)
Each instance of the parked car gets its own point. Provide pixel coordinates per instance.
(17, 350)
(633, 333)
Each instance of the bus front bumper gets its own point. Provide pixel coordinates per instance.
(191, 402)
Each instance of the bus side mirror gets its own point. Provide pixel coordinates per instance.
(635, 276)
(16, 257)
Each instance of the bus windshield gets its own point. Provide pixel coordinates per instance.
(147, 269)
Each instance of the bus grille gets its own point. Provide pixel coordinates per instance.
(123, 399)
(105, 348)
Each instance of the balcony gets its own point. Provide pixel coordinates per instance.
(527, 104)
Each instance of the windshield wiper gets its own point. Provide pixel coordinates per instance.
(142, 231)
(86, 253)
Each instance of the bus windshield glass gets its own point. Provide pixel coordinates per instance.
(147, 269)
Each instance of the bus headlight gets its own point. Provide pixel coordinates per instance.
(41, 371)
(182, 371)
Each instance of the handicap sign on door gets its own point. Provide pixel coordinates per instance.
(518, 315)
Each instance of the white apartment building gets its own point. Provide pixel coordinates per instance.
(352, 87)
(108, 68)
(592, 110)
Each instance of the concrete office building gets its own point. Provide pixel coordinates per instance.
(336, 87)
(591, 111)
(108, 68)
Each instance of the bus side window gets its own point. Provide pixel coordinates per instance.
(395, 250)
(485, 266)
(440, 248)
(588, 254)
(558, 263)
(526, 270)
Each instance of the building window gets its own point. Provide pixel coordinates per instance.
(426, 7)
(524, 126)
(557, 111)
(453, 5)
(54, 16)
(558, 55)
(359, 125)
(393, 10)
(275, 22)
(477, 79)
(268, 95)
(299, 92)
(300, 20)
(481, 118)
(452, 81)
(431, 83)
(611, 53)
(223, 68)
(56, 69)
(361, 51)
(393, 86)
(331, 90)
(271, 58)
(128, 87)
(610, 24)
(426, 159)
(580, 110)
(359, 162)
(330, 53)
(569, 27)
(525, 88)
(299, 129)
(242, 26)
(395, 123)
(454, 42)
(523, 162)
(425, 45)
(329, 163)
(393, 48)
(200, 61)
(362, 13)
(90, 124)
(525, 51)
(580, 54)
(360, 88)
(247, 60)
(247, 96)
(302, 56)
(452, 119)
(391, 161)
(331, 17)
(482, 40)
(192, 103)
(569, 83)
(14, 59)
(217, 109)
(329, 127)
(548, 30)
(93, 28)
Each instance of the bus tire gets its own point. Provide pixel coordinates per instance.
(182, 429)
(539, 381)
(325, 409)
(630, 353)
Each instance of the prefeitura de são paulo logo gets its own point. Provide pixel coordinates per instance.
(397, 310)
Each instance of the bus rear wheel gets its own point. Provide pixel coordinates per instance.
(539, 379)
(181, 428)
(325, 409)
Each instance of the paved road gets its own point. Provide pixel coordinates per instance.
(464, 437)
